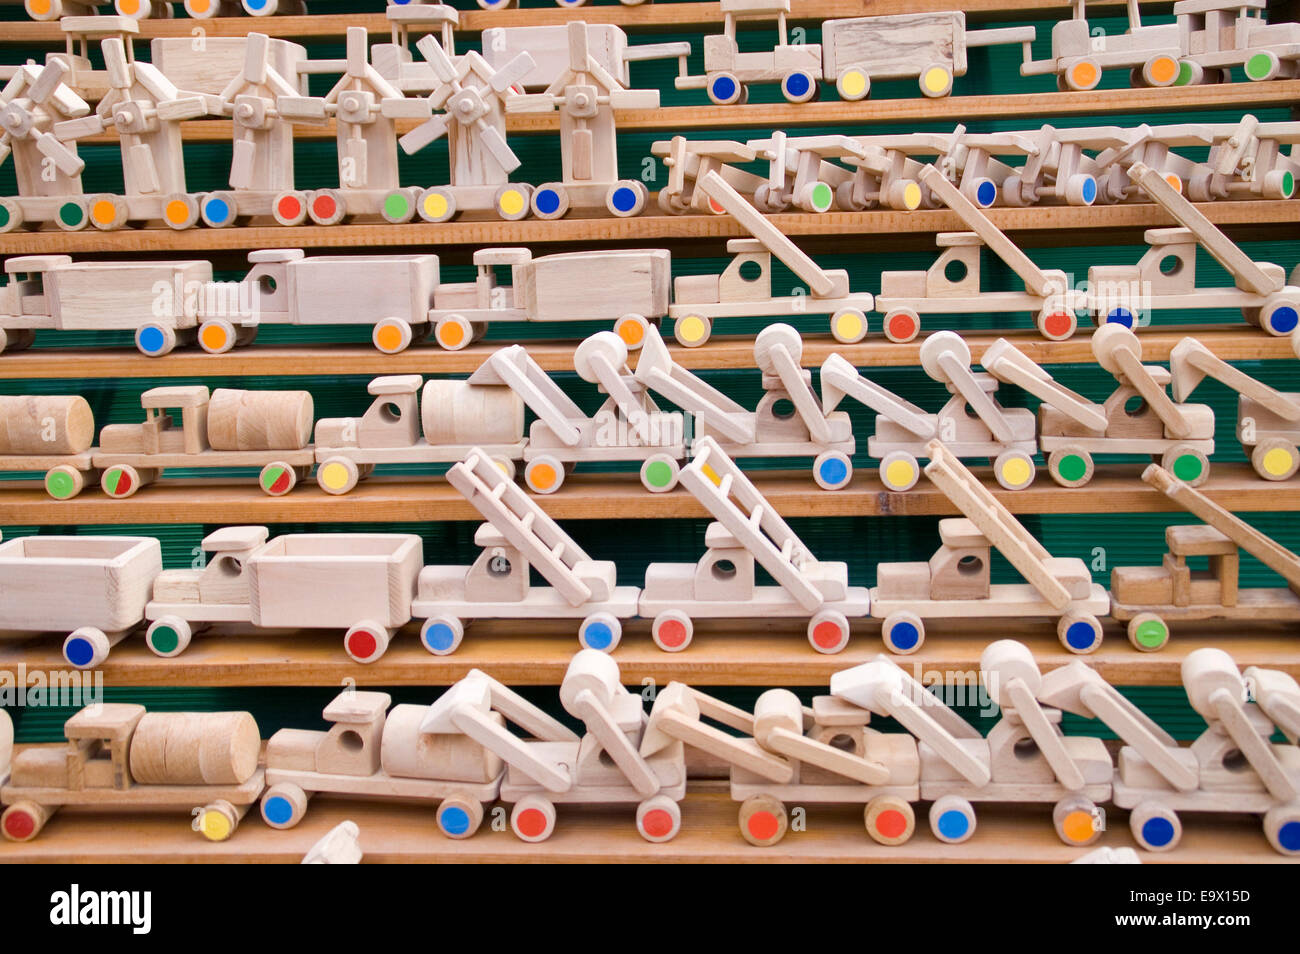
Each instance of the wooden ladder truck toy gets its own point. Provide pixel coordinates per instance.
(903, 431)
(362, 583)
(50, 434)
(517, 536)
(120, 758)
(1149, 598)
(956, 582)
(746, 532)
(409, 424)
(803, 430)
(229, 427)
(1151, 54)
(1138, 417)
(1165, 277)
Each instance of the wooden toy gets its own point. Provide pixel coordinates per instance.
(688, 161)
(86, 9)
(743, 291)
(1149, 598)
(228, 427)
(883, 177)
(49, 433)
(1246, 160)
(111, 577)
(6, 746)
(1152, 147)
(120, 757)
(518, 535)
(799, 174)
(1072, 429)
(1219, 35)
(973, 423)
(928, 46)
(401, 427)
(340, 845)
(1231, 767)
(394, 59)
(955, 583)
(1279, 695)
(628, 426)
(746, 532)
(1165, 277)
(1268, 421)
(358, 582)
(550, 47)
(1150, 53)
(728, 71)
(79, 33)
(222, 61)
(952, 284)
(768, 431)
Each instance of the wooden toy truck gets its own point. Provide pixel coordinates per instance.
(121, 758)
(93, 588)
(1150, 53)
(228, 427)
(955, 583)
(362, 583)
(1149, 598)
(49, 433)
(747, 533)
(1218, 35)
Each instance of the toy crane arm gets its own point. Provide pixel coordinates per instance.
(946, 358)
(1277, 694)
(778, 727)
(515, 368)
(777, 350)
(657, 371)
(1007, 363)
(676, 717)
(1013, 680)
(1118, 350)
(840, 379)
(602, 360)
(1190, 361)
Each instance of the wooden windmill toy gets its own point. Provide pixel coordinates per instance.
(47, 168)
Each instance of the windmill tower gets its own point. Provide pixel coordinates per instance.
(47, 168)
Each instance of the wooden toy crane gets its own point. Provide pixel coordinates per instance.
(628, 426)
(1148, 598)
(472, 96)
(1165, 277)
(1268, 420)
(1231, 767)
(747, 532)
(364, 107)
(699, 299)
(956, 582)
(47, 168)
(1072, 429)
(903, 431)
(688, 161)
(518, 535)
(146, 110)
(952, 284)
(810, 431)
(799, 173)
(1150, 53)
(1249, 159)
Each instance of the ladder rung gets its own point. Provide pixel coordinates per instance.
(527, 522)
(756, 517)
(724, 487)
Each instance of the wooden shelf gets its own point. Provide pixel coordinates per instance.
(760, 652)
(868, 229)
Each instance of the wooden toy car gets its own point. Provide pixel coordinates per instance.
(50, 433)
(1221, 34)
(1150, 53)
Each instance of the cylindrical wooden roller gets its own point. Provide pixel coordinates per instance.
(457, 412)
(772, 336)
(1004, 661)
(1205, 672)
(777, 709)
(241, 420)
(195, 748)
(594, 670)
(45, 424)
(605, 343)
(936, 346)
(406, 752)
(1110, 338)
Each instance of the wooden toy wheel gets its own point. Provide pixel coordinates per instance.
(453, 332)
(327, 207)
(399, 205)
(1148, 632)
(1190, 73)
(671, 203)
(73, 215)
(903, 632)
(367, 640)
(1281, 313)
(1282, 828)
(849, 325)
(1079, 632)
(108, 213)
(725, 89)
(631, 330)
(1081, 189)
(533, 818)
(44, 9)
(391, 335)
(1070, 466)
(983, 191)
(495, 4)
(952, 819)
(284, 805)
(847, 198)
(890, 819)
(1083, 75)
(1155, 826)
(544, 474)
(219, 210)
(901, 324)
(899, 471)
(672, 631)
(1264, 65)
(437, 204)
(442, 635)
(17, 339)
(217, 820)
(277, 478)
(1077, 820)
(763, 820)
(832, 470)
(935, 80)
(799, 86)
(203, 9)
(815, 197)
(1279, 184)
(853, 83)
(1188, 464)
(600, 631)
(459, 816)
(122, 480)
(658, 819)
(1013, 193)
(659, 473)
(64, 482)
(155, 340)
(550, 201)
(23, 820)
(904, 195)
(1014, 469)
(168, 636)
(626, 198)
(11, 215)
(1057, 324)
(1159, 71)
(337, 475)
(506, 466)
(1275, 459)
(290, 208)
(768, 199)
(513, 201)
(217, 335)
(828, 632)
(180, 210)
(86, 647)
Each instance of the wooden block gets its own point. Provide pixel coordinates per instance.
(45, 424)
(188, 748)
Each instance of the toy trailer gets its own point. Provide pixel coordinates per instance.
(928, 46)
(268, 430)
(1150, 53)
(1221, 34)
(1147, 598)
(403, 426)
(746, 532)
(111, 577)
(1165, 277)
(825, 755)
(371, 751)
(518, 535)
(1231, 767)
(120, 758)
(360, 582)
(50, 434)
(955, 583)
(558, 288)
(700, 299)
(628, 427)
(728, 71)
(51, 291)
(1071, 428)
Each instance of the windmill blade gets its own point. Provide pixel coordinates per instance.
(441, 63)
(116, 65)
(47, 81)
(357, 54)
(17, 83)
(4, 148)
(187, 107)
(242, 162)
(491, 139)
(140, 158)
(80, 128)
(428, 131)
(513, 72)
(67, 161)
(159, 86)
(256, 54)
